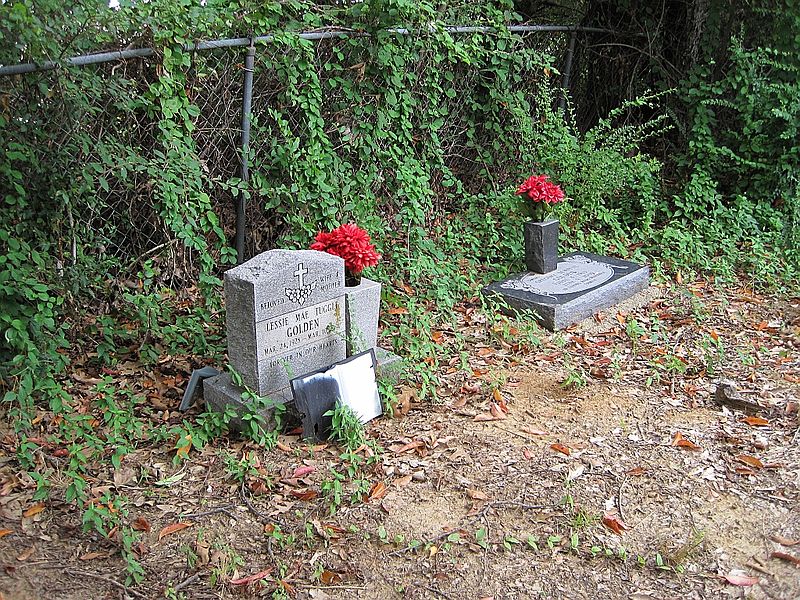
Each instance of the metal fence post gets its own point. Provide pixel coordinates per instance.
(562, 103)
(247, 102)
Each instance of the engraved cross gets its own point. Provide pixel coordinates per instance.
(301, 271)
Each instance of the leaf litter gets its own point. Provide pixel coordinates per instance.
(490, 499)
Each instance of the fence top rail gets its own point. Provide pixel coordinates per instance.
(115, 55)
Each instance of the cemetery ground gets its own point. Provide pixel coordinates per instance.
(597, 462)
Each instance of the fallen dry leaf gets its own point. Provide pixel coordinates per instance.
(251, 578)
(5, 532)
(410, 446)
(302, 472)
(497, 411)
(787, 557)
(398, 310)
(477, 494)
(560, 448)
(305, 495)
(141, 524)
(755, 421)
(459, 402)
(681, 442)
(533, 431)
(34, 510)
(487, 417)
(635, 471)
(739, 579)
(402, 481)
(288, 588)
(26, 554)
(405, 398)
(614, 523)
(330, 577)
(783, 541)
(750, 460)
(170, 529)
(377, 491)
(93, 555)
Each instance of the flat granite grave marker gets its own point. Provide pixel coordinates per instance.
(582, 285)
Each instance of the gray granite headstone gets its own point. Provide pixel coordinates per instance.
(582, 285)
(286, 316)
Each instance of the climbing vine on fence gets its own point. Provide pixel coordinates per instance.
(119, 179)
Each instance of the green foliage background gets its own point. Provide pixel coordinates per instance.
(118, 180)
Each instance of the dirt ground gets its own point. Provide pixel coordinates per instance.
(597, 463)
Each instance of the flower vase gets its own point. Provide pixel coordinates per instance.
(362, 305)
(541, 246)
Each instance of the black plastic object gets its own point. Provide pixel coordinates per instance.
(197, 376)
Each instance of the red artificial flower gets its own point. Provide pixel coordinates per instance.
(539, 188)
(351, 243)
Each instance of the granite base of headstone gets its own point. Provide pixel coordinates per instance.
(221, 394)
(582, 284)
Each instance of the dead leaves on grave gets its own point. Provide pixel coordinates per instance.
(173, 528)
(561, 448)
(251, 578)
(786, 557)
(755, 421)
(614, 523)
(377, 491)
(141, 524)
(495, 414)
(740, 579)
(750, 461)
(784, 541)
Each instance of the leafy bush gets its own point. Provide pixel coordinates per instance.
(743, 156)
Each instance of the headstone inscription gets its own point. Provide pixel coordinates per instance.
(285, 317)
(581, 285)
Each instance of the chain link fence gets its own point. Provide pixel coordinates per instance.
(93, 115)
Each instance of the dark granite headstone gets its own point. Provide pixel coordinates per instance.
(582, 285)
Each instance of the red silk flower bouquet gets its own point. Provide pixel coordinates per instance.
(351, 243)
(542, 192)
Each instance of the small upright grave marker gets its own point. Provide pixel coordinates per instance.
(287, 315)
